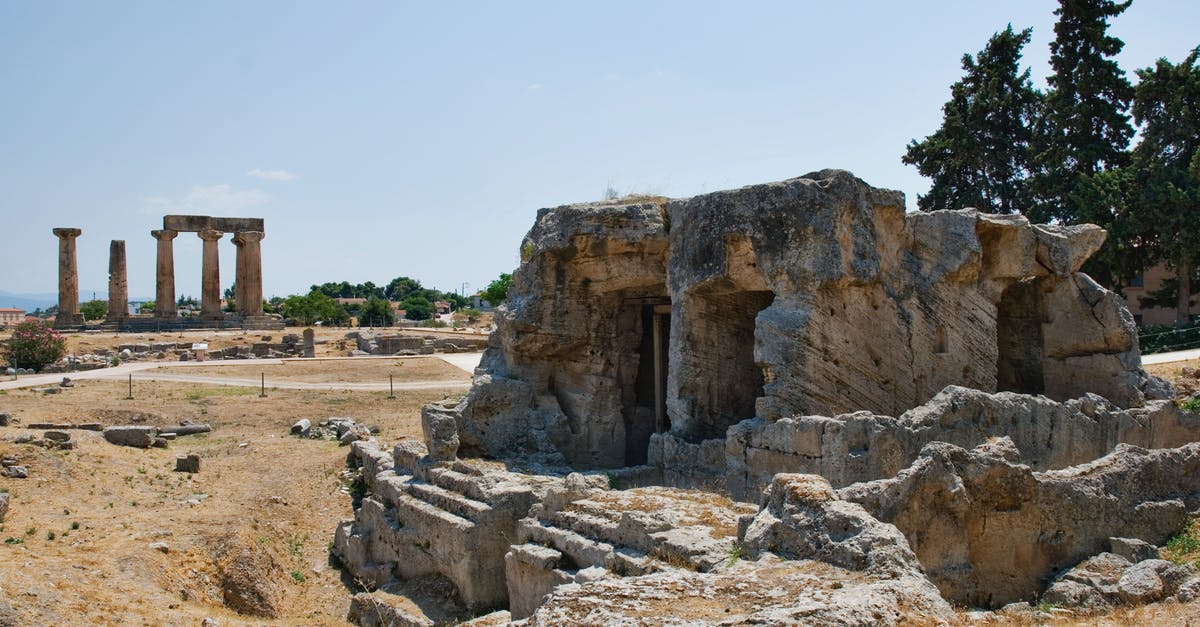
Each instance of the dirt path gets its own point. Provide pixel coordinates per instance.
(150, 371)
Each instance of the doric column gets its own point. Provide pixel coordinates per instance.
(249, 273)
(210, 281)
(68, 280)
(118, 287)
(164, 292)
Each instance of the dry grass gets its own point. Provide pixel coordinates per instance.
(106, 504)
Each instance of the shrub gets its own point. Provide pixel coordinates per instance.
(1191, 403)
(34, 345)
(94, 309)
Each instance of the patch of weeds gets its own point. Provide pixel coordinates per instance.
(66, 512)
(141, 470)
(736, 551)
(1192, 403)
(295, 545)
(50, 536)
(837, 585)
(298, 576)
(12, 540)
(30, 531)
(1182, 547)
(74, 525)
(133, 503)
(1044, 606)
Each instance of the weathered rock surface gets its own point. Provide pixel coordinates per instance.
(816, 295)
(990, 531)
(843, 567)
(862, 446)
(131, 435)
(1107, 580)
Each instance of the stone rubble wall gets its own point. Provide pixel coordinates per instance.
(863, 446)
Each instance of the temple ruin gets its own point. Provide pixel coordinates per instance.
(248, 233)
(786, 373)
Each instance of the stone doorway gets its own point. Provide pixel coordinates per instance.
(1019, 342)
(648, 415)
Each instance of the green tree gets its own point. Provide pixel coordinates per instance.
(1084, 128)
(376, 312)
(147, 307)
(980, 157)
(314, 307)
(417, 308)
(497, 291)
(400, 287)
(94, 309)
(1166, 171)
(34, 345)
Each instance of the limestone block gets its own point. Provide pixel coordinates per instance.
(131, 435)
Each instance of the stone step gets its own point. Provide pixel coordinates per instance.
(414, 514)
(467, 485)
(583, 551)
(448, 500)
(584, 523)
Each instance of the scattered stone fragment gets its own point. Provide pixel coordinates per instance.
(67, 383)
(187, 429)
(370, 610)
(17, 472)
(1133, 549)
(5, 419)
(3, 505)
(57, 436)
(48, 390)
(9, 460)
(301, 427)
(187, 463)
(161, 547)
(131, 435)
(159, 442)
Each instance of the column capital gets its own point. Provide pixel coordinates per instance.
(210, 235)
(68, 233)
(165, 235)
(247, 237)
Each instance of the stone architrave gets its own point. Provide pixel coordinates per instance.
(118, 286)
(210, 282)
(68, 280)
(164, 293)
(249, 272)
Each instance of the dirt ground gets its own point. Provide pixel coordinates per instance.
(77, 538)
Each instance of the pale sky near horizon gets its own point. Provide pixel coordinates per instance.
(419, 139)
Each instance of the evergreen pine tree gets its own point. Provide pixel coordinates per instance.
(980, 157)
(1084, 129)
(1166, 170)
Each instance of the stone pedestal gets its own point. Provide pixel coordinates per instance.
(249, 273)
(210, 282)
(118, 287)
(164, 293)
(68, 280)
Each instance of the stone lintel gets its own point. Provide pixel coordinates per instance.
(195, 224)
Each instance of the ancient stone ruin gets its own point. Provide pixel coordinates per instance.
(791, 386)
(248, 233)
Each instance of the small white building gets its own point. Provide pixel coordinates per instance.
(11, 316)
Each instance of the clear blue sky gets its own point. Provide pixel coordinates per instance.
(419, 139)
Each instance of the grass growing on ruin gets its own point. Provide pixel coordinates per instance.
(1191, 404)
(1184, 548)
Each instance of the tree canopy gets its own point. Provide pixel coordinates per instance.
(1084, 128)
(1165, 171)
(980, 157)
(497, 291)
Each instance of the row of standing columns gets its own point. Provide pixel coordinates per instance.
(248, 278)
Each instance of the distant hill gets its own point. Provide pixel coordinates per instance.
(30, 302)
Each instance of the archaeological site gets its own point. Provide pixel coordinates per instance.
(790, 403)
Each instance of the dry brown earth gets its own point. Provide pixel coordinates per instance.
(263, 507)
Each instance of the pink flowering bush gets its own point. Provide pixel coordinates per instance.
(34, 345)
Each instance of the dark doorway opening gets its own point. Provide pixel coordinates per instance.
(649, 414)
(1019, 341)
